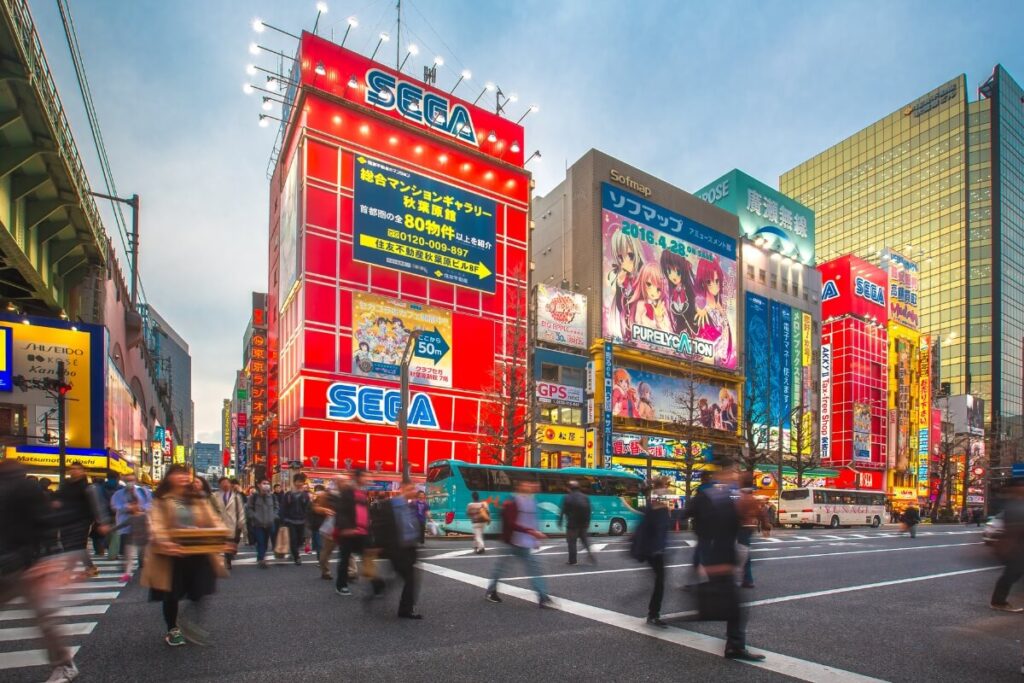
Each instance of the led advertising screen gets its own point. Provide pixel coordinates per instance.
(903, 279)
(419, 225)
(669, 282)
(861, 432)
(380, 330)
(561, 317)
(649, 396)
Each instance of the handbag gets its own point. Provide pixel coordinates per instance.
(717, 599)
(282, 541)
(369, 564)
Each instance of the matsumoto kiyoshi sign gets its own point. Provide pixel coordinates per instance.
(669, 282)
(376, 405)
(415, 224)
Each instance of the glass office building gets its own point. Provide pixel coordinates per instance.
(941, 180)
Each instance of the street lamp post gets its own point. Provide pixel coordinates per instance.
(403, 413)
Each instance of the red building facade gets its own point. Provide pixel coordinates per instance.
(394, 207)
(854, 372)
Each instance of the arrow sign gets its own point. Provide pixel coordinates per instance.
(431, 345)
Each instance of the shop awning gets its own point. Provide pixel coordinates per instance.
(815, 473)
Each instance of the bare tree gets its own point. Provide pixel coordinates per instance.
(805, 454)
(505, 422)
(688, 420)
(756, 423)
(950, 446)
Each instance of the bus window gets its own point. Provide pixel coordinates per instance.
(439, 473)
(551, 482)
(798, 494)
(476, 479)
(819, 497)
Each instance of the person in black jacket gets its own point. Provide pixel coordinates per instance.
(717, 522)
(352, 532)
(79, 509)
(912, 517)
(294, 505)
(655, 531)
(24, 529)
(575, 517)
(396, 532)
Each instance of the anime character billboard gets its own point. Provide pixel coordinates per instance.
(669, 282)
(649, 396)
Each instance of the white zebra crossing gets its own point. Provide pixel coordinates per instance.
(17, 625)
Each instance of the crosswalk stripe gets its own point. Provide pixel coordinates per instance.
(598, 547)
(81, 597)
(23, 658)
(32, 632)
(93, 584)
(454, 553)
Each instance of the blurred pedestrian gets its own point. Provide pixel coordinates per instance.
(911, 518)
(24, 529)
(229, 505)
(479, 516)
(314, 519)
(753, 516)
(294, 505)
(278, 524)
(250, 536)
(352, 534)
(323, 506)
(575, 517)
(1010, 547)
(519, 530)
(111, 543)
(79, 509)
(718, 521)
(977, 517)
(131, 506)
(650, 542)
(261, 513)
(422, 509)
(706, 482)
(180, 565)
(396, 531)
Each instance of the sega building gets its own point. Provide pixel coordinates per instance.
(854, 359)
(394, 207)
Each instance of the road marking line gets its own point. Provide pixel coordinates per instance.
(454, 553)
(802, 538)
(769, 539)
(779, 663)
(858, 536)
(845, 589)
(69, 611)
(761, 559)
(23, 658)
(93, 584)
(546, 547)
(32, 632)
(598, 547)
(81, 597)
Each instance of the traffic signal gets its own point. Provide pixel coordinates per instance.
(63, 389)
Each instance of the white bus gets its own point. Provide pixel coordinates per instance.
(834, 508)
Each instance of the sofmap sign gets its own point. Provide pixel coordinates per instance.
(785, 225)
(377, 405)
(414, 224)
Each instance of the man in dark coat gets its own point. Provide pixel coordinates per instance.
(575, 517)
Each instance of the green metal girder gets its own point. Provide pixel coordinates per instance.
(13, 158)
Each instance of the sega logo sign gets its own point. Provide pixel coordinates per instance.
(388, 93)
(870, 291)
(377, 405)
(549, 392)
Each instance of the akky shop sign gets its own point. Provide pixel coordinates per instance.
(560, 394)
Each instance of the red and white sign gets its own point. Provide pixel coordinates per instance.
(549, 392)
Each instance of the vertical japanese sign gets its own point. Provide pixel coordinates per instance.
(258, 386)
(756, 400)
(903, 276)
(924, 412)
(607, 419)
(414, 224)
(380, 330)
(225, 429)
(826, 402)
(785, 363)
(6, 359)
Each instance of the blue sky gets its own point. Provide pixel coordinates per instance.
(684, 90)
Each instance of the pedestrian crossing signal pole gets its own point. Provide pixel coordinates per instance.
(62, 397)
(403, 413)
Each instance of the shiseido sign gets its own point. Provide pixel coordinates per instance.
(549, 392)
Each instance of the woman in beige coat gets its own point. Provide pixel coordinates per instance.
(174, 570)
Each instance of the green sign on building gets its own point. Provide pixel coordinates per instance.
(783, 224)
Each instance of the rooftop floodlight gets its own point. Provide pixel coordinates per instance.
(320, 69)
(491, 137)
(515, 147)
(264, 121)
(321, 7)
(439, 60)
(258, 26)
(250, 69)
(254, 49)
(412, 50)
(533, 108)
(382, 38)
(247, 88)
(352, 23)
(464, 76)
(268, 104)
(536, 155)
(352, 82)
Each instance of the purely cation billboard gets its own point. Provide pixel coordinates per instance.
(669, 282)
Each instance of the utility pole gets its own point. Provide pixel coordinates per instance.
(133, 241)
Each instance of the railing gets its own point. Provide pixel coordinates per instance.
(30, 49)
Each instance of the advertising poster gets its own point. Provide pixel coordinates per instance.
(861, 432)
(903, 278)
(6, 358)
(902, 407)
(380, 330)
(645, 446)
(795, 368)
(757, 370)
(779, 388)
(414, 224)
(647, 396)
(669, 283)
(288, 257)
(561, 317)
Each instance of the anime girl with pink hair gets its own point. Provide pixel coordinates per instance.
(713, 319)
(648, 304)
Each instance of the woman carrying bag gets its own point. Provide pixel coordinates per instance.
(184, 557)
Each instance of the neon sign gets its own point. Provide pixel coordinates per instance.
(377, 405)
(387, 92)
(870, 291)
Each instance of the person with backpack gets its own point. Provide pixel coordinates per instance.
(79, 508)
(261, 511)
(131, 505)
(229, 505)
(294, 506)
(519, 530)
(649, 544)
(480, 516)
(352, 534)
(575, 517)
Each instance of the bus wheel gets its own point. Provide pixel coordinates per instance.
(617, 527)
(834, 523)
(876, 522)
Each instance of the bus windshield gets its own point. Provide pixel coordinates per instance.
(798, 494)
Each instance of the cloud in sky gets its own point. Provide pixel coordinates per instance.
(684, 90)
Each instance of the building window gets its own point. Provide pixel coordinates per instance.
(775, 281)
(750, 272)
(760, 275)
(572, 376)
(785, 285)
(549, 372)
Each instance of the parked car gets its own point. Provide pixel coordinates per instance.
(993, 529)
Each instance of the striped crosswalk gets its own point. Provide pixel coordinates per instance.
(80, 604)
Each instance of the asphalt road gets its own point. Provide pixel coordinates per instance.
(845, 605)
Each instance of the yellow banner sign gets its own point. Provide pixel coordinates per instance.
(560, 436)
(89, 462)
